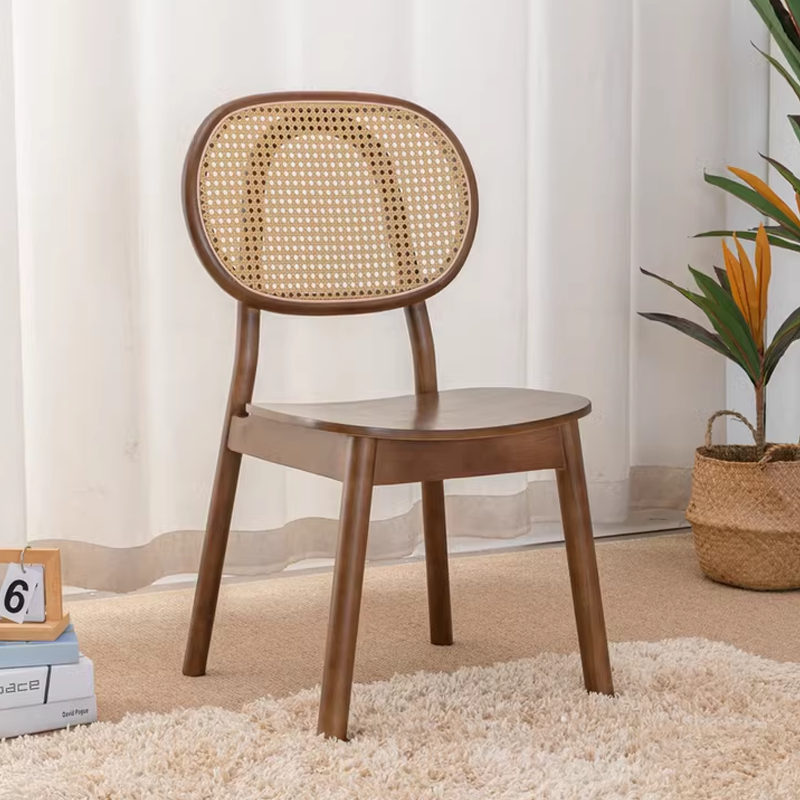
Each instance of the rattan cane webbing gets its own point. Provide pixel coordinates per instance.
(333, 200)
(746, 517)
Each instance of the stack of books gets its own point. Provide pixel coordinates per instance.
(45, 686)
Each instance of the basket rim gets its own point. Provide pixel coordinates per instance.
(706, 454)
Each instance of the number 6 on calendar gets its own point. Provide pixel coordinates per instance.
(18, 590)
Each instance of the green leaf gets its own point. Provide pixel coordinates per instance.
(768, 15)
(785, 172)
(729, 322)
(785, 17)
(794, 10)
(689, 295)
(707, 307)
(752, 198)
(781, 34)
(750, 237)
(794, 121)
(788, 332)
(724, 280)
(692, 329)
(782, 232)
(782, 70)
(788, 324)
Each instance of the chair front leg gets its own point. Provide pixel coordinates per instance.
(348, 581)
(582, 560)
(438, 571)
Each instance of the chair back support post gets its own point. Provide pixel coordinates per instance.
(422, 348)
(248, 324)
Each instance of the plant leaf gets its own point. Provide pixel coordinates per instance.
(794, 10)
(751, 295)
(788, 332)
(794, 121)
(789, 323)
(712, 312)
(723, 279)
(781, 34)
(763, 275)
(697, 332)
(767, 192)
(750, 236)
(783, 232)
(735, 271)
(687, 293)
(786, 19)
(787, 76)
(753, 199)
(785, 172)
(729, 323)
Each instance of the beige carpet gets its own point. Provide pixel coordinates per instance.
(693, 719)
(270, 634)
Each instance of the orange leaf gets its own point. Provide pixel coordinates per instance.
(764, 273)
(768, 194)
(736, 278)
(750, 293)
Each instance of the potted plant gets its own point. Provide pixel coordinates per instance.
(745, 505)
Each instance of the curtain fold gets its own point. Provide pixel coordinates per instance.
(783, 394)
(588, 129)
(12, 452)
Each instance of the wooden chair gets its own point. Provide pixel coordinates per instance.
(340, 203)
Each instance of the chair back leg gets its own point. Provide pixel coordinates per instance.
(348, 581)
(586, 597)
(438, 571)
(216, 540)
(223, 494)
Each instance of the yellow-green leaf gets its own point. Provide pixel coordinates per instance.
(766, 192)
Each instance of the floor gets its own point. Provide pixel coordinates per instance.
(544, 533)
(270, 633)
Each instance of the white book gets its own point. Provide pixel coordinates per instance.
(30, 686)
(47, 717)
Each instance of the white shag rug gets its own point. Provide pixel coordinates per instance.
(692, 719)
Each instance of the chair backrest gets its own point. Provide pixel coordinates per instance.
(329, 203)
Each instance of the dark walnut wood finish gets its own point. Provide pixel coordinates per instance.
(434, 526)
(427, 437)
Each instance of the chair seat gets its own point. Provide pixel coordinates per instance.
(447, 415)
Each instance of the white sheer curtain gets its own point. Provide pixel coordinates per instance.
(588, 125)
(783, 401)
(757, 124)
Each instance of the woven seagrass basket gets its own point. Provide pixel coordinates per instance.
(745, 513)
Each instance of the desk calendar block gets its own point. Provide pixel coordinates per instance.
(55, 620)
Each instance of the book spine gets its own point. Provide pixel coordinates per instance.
(23, 687)
(47, 717)
(36, 685)
(38, 654)
(68, 681)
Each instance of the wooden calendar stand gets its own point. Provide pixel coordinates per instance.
(56, 620)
